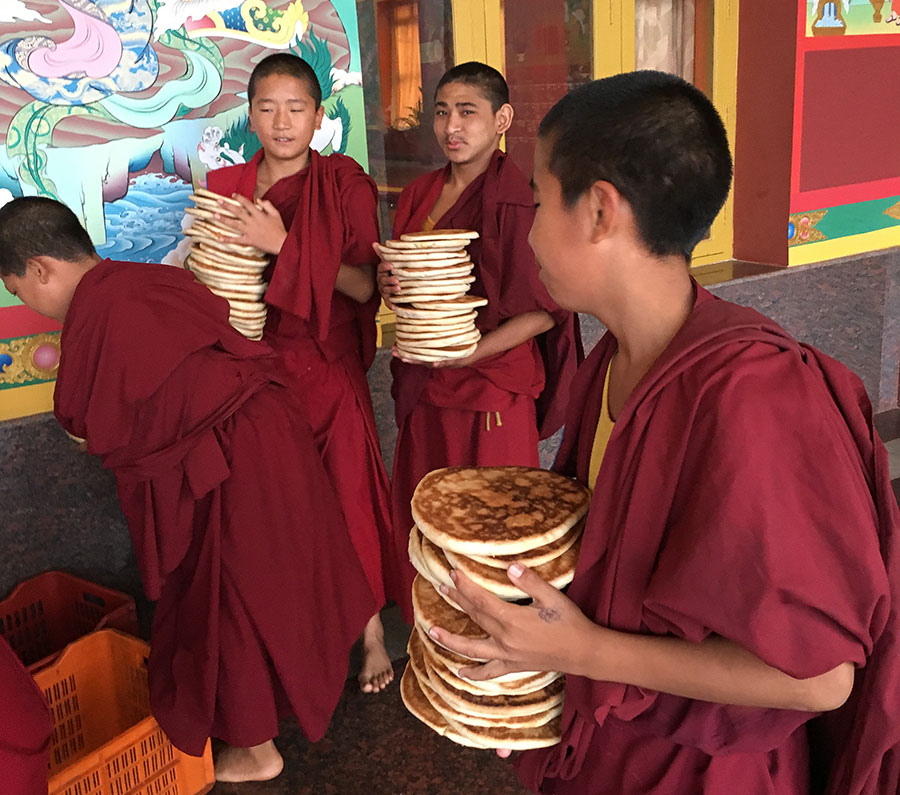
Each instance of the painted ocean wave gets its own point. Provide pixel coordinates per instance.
(145, 224)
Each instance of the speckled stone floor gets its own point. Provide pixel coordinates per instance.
(374, 746)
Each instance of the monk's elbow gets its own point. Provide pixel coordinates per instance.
(830, 690)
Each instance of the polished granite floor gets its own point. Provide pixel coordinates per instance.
(375, 747)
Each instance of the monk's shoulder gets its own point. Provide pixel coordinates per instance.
(345, 169)
(514, 187)
(420, 185)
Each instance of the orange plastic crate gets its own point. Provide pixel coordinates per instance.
(104, 740)
(47, 612)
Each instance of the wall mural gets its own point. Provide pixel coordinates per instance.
(852, 17)
(848, 204)
(119, 107)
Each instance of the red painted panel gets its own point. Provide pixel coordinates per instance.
(850, 113)
(20, 321)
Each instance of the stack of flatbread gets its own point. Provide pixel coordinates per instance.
(479, 521)
(231, 270)
(435, 316)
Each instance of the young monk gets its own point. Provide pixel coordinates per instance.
(739, 570)
(25, 728)
(318, 216)
(491, 407)
(238, 533)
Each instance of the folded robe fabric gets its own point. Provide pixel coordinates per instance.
(25, 728)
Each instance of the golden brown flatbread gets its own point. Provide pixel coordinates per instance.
(535, 557)
(421, 708)
(432, 610)
(558, 571)
(497, 510)
(440, 234)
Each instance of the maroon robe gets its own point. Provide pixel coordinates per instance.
(448, 416)
(237, 530)
(325, 340)
(743, 493)
(25, 728)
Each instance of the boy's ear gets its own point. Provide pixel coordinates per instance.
(41, 267)
(604, 204)
(320, 114)
(504, 117)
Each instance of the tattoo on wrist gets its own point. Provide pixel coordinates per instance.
(549, 615)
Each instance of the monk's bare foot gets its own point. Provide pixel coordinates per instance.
(259, 763)
(377, 672)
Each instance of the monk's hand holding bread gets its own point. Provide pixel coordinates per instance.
(546, 635)
(259, 223)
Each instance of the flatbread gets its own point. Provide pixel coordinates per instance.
(528, 683)
(229, 262)
(426, 245)
(558, 572)
(210, 216)
(212, 205)
(467, 302)
(437, 354)
(428, 314)
(424, 566)
(432, 610)
(437, 286)
(437, 333)
(441, 342)
(220, 245)
(505, 705)
(432, 274)
(227, 287)
(431, 563)
(454, 661)
(209, 229)
(245, 305)
(424, 298)
(497, 510)
(439, 234)
(257, 262)
(440, 289)
(426, 256)
(429, 358)
(419, 705)
(537, 556)
(205, 193)
(438, 320)
(203, 270)
(513, 738)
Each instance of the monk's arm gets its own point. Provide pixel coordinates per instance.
(356, 282)
(715, 669)
(553, 634)
(508, 335)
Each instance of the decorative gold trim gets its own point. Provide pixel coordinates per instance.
(23, 370)
(893, 211)
(805, 228)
